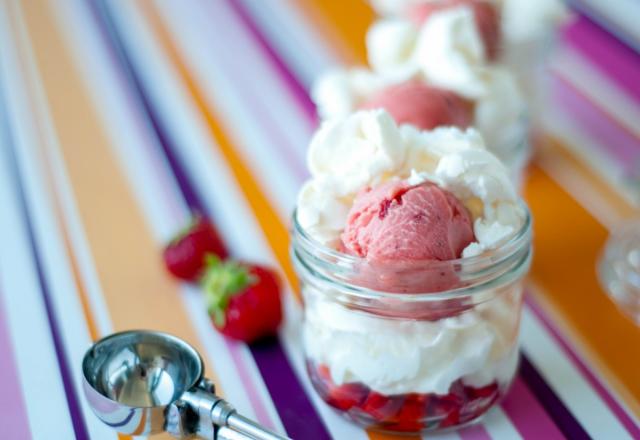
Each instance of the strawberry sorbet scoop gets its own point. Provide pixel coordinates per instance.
(423, 106)
(398, 222)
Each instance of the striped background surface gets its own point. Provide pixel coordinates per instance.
(119, 118)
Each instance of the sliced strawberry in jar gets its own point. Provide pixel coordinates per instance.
(412, 414)
(382, 408)
(343, 397)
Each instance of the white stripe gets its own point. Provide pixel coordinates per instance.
(575, 68)
(147, 173)
(499, 426)
(284, 27)
(57, 271)
(567, 382)
(207, 165)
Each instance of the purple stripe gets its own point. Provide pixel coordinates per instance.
(298, 415)
(295, 86)
(613, 140)
(527, 414)
(551, 402)
(611, 402)
(13, 412)
(262, 415)
(73, 403)
(614, 58)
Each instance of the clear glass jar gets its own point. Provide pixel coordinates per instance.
(410, 349)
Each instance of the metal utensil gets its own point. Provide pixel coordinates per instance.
(145, 382)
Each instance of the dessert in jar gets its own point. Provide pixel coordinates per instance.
(437, 65)
(519, 33)
(411, 247)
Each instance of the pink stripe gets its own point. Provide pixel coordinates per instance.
(13, 413)
(475, 432)
(615, 59)
(527, 415)
(606, 396)
(245, 377)
(613, 138)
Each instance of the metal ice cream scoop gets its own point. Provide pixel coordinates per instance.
(146, 382)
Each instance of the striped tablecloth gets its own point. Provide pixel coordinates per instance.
(119, 118)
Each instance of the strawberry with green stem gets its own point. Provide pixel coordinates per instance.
(185, 256)
(243, 300)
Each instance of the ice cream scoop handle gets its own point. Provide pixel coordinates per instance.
(251, 428)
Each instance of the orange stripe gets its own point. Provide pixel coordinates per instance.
(140, 429)
(348, 20)
(312, 15)
(137, 290)
(82, 294)
(567, 243)
(274, 230)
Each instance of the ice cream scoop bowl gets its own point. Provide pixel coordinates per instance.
(145, 382)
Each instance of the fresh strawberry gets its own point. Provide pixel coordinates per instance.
(243, 300)
(343, 397)
(185, 255)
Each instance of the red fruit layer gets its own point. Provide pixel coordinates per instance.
(410, 412)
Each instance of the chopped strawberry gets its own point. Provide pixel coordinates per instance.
(382, 408)
(482, 392)
(244, 300)
(412, 414)
(343, 397)
(185, 255)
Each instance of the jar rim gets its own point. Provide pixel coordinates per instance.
(513, 253)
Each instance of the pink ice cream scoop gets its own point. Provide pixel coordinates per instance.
(422, 106)
(397, 222)
(486, 14)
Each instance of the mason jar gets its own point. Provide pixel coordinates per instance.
(414, 347)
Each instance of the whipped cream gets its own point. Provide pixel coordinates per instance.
(394, 356)
(368, 148)
(447, 52)
(522, 20)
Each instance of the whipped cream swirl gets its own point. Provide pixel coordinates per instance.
(368, 148)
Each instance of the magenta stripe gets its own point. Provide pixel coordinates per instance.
(614, 58)
(475, 432)
(614, 140)
(527, 415)
(13, 411)
(247, 380)
(606, 396)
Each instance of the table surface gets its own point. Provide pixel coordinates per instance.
(118, 119)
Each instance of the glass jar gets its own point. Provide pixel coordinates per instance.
(410, 349)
